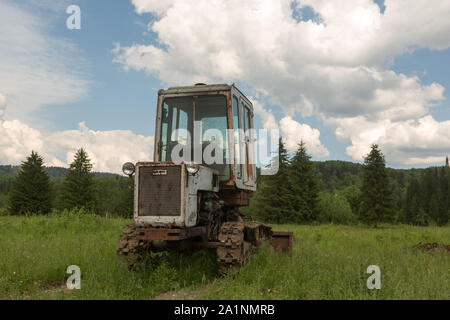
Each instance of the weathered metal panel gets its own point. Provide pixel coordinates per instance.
(159, 191)
(282, 240)
(161, 220)
(170, 234)
(197, 88)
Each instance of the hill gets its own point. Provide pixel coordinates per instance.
(53, 172)
(337, 175)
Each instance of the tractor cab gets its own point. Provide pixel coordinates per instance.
(204, 149)
(209, 125)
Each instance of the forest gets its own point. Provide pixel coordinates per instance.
(341, 192)
(303, 191)
(111, 195)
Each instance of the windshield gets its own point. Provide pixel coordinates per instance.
(177, 131)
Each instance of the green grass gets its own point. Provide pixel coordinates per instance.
(328, 262)
(36, 251)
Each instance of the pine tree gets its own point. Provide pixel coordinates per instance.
(412, 203)
(434, 209)
(271, 201)
(30, 193)
(126, 203)
(444, 197)
(78, 189)
(304, 187)
(429, 187)
(377, 200)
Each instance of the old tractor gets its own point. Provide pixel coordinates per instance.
(203, 172)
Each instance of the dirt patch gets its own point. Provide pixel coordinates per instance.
(432, 247)
(55, 288)
(189, 293)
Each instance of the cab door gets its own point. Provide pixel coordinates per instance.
(248, 162)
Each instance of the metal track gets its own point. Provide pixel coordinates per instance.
(237, 242)
(131, 250)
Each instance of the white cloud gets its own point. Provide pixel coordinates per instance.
(108, 150)
(410, 142)
(337, 69)
(293, 132)
(155, 6)
(268, 119)
(17, 140)
(36, 69)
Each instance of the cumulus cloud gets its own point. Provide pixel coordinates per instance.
(410, 142)
(268, 120)
(17, 140)
(294, 132)
(156, 6)
(108, 150)
(336, 68)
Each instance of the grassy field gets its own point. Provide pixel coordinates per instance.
(328, 262)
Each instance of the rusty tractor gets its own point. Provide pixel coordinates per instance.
(183, 200)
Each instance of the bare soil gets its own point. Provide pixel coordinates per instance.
(432, 247)
(189, 293)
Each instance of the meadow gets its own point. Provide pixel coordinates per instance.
(327, 262)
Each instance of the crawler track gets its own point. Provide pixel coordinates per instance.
(131, 250)
(237, 242)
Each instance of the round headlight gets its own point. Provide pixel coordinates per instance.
(192, 167)
(128, 169)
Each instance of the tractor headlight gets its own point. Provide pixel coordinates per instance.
(192, 167)
(128, 169)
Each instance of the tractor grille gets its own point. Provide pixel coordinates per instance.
(159, 191)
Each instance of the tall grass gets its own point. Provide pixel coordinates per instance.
(36, 251)
(327, 262)
(330, 262)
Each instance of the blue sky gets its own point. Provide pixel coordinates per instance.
(116, 90)
(117, 99)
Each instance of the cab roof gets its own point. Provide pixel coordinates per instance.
(201, 87)
(196, 88)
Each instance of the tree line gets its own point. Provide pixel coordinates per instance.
(304, 191)
(32, 191)
(428, 198)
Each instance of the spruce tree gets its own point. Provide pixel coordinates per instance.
(377, 200)
(412, 203)
(304, 187)
(271, 201)
(126, 203)
(444, 197)
(78, 189)
(30, 193)
(434, 209)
